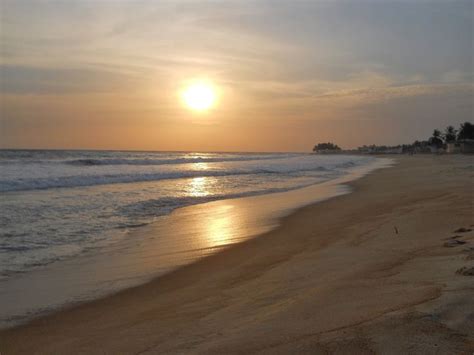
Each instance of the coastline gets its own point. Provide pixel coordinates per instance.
(364, 271)
(182, 237)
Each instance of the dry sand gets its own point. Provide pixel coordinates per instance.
(368, 272)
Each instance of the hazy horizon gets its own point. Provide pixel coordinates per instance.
(287, 74)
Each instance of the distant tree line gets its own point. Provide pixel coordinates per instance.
(451, 135)
(321, 147)
(437, 140)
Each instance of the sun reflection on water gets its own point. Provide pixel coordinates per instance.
(220, 228)
(198, 187)
(200, 166)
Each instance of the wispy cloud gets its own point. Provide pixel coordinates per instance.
(273, 61)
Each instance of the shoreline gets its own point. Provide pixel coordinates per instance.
(269, 282)
(207, 228)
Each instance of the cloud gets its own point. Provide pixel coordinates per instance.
(37, 80)
(285, 63)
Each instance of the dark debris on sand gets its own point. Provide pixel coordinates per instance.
(462, 230)
(455, 237)
(453, 243)
(466, 271)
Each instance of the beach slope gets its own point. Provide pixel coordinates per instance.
(387, 268)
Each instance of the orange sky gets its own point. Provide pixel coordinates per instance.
(108, 75)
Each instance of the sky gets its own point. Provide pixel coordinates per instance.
(92, 74)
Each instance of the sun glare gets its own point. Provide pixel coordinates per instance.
(199, 96)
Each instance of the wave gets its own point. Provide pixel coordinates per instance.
(93, 180)
(92, 162)
(165, 205)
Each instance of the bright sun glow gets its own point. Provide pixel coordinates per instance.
(199, 96)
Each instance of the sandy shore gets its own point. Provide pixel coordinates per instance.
(375, 271)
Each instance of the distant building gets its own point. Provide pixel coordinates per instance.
(467, 145)
(373, 149)
(436, 150)
(453, 147)
(462, 146)
(395, 150)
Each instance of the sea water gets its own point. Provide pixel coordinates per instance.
(56, 204)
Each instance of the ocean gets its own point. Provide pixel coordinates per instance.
(56, 204)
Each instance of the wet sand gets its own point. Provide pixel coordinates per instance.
(369, 272)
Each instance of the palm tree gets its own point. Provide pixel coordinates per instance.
(450, 134)
(466, 131)
(436, 139)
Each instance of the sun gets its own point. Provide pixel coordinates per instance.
(199, 96)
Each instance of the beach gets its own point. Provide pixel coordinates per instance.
(386, 268)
